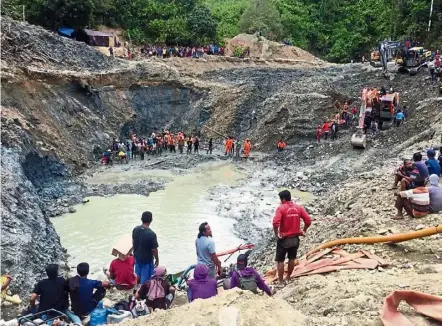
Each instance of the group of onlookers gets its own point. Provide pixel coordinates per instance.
(181, 51)
(420, 191)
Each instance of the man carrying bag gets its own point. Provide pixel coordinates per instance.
(287, 230)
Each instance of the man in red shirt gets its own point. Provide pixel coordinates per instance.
(287, 230)
(122, 272)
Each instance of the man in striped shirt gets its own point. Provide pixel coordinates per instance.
(414, 201)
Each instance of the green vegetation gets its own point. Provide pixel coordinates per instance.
(337, 30)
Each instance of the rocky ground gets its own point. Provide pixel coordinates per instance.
(60, 110)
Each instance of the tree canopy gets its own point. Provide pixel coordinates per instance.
(337, 30)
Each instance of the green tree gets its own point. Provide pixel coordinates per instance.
(73, 13)
(261, 16)
(201, 24)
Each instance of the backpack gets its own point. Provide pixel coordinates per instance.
(248, 283)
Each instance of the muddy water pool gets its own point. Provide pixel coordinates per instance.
(178, 209)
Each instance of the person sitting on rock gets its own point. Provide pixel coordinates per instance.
(81, 290)
(281, 145)
(247, 278)
(401, 172)
(121, 272)
(420, 165)
(122, 156)
(432, 164)
(157, 292)
(414, 201)
(202, 286)
(435, 194)
(53, 294)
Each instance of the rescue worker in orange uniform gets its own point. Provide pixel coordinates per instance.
(247, 147)
(181, 142)
(228, 145)
(172, 143)
(281, 145)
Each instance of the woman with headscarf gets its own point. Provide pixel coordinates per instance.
(435, 192)
(202, 286)
(158, 292)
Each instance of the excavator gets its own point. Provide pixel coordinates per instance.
(404, 59)
(377, 106)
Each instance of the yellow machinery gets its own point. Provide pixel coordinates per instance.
(5, 295)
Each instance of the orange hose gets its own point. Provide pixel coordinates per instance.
(387, 238)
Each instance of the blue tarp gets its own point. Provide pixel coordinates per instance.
(66, 31)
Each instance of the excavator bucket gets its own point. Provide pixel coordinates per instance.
(358, 141)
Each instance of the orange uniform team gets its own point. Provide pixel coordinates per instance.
(159, 143)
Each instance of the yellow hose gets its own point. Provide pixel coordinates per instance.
(387, 238)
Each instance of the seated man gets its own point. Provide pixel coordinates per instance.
(281, 145)
(81, 291)
(412, 173)
(122, 156)
(202, 286)
(247, 278)
(415, 201)
(157, 292)
(432, 164)
(121, 272)
(434, 190)
(53, 294)
(420, 165)
(400, 173)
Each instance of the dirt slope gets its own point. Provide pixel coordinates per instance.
(234, 307)
(260, 47)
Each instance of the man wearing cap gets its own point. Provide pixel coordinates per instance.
(287, 230)
(247, 278)
(144, 242)
(432, 164)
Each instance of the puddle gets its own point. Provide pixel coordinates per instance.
(178, 210)
(300, 197)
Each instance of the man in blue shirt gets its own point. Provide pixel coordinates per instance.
(399, 117)
(81, 291)
(432, 164)
(205, 247)
(420, 165)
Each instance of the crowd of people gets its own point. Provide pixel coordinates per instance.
(139, 270)
(420, 192)
(181, 51)
(159, 143)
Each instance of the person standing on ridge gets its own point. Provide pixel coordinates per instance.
(326, 129)
(210, 145)
(237, 148)
(286, 224)
(247, 147)
(318, 133)
(144, 242)
(205, 247)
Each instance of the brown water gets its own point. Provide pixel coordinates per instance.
(90, 233)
